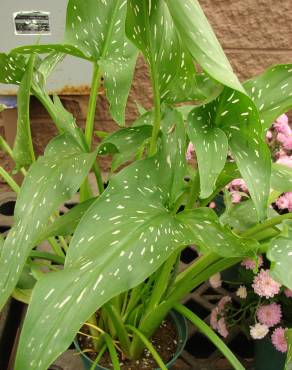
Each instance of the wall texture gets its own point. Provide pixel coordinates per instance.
(254, 34)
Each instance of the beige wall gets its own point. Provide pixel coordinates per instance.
(254, 34)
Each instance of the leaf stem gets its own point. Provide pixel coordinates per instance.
(48, 256)
(149, 346)
(92, 104)
(266, 224)
(194, 191)
(213, 337)
(9, 180)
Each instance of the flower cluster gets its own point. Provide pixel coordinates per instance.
(259, 302)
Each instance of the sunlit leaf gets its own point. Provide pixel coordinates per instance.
(150, 27)
(280, 254)
(199, 38)
(271, 91)
(51, 180)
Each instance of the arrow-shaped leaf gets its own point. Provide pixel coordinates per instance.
(51, 180)
(271, 91)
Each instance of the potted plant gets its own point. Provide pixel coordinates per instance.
(120, 248)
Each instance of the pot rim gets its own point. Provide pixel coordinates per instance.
(182, 331)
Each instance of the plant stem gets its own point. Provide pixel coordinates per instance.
(194, 191)
(9, 180)
(157, 113)
(6, 148)
(112, 352)
(92, 104)
(96, 77)
(149, 346)
(213, 337)
(98, 357)
(266, 224)
(47, 256)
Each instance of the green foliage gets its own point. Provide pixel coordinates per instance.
(280, 254)
(23, 148)
(126, 240)
(51, 180)
(271, 91)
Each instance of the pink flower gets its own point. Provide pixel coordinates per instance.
(222, 303)
(238, 184)
(285, 201)
(282, 125)
(279, 340)
(285, 140)
(217, 320)
(214, 318)
(212, 205)
(251, 264)
(221, 327)
(270, 314)
(235, 197)
(264, 285)
(288, 293)
(190, 151)
(285, 160)
(215, 280)
(258, 331)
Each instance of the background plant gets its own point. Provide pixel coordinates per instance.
(138, 220)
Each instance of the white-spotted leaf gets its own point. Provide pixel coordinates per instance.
(211, 146)
(51, 180)
(271, 91)
(281, 179)
(199, 38)
(280, 255)
(12, 68)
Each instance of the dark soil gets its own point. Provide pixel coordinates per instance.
(165, 342)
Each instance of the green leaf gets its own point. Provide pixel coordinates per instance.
(243, 216)
(66, 224)
(280, 254)
(211, 146)
(150, 27)
(23, 151)
(125, 143)
(271, 91)
(66, 123)
(199, 38)
(121, 240)
(95, 31)
(51, 180)
(12, 68)
(281, 179)
(288, 364)
(235, 114)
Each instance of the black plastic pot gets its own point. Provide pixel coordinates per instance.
(182, 333)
